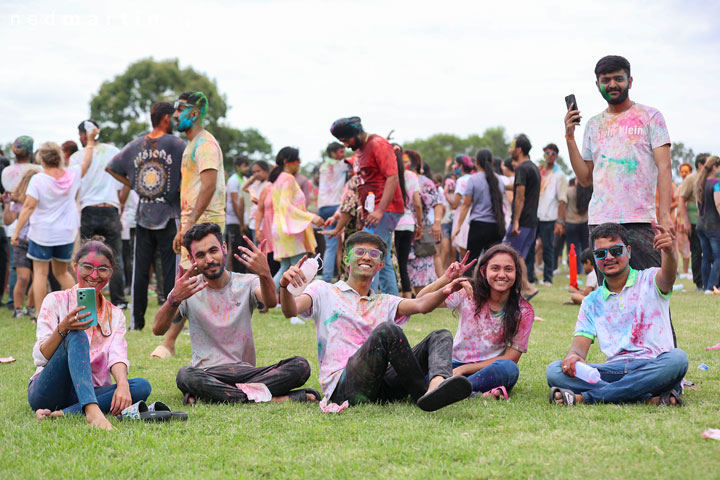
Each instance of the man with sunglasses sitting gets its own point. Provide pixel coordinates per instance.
(629, 315)
(363, 353)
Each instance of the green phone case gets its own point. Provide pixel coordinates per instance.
(86, 298)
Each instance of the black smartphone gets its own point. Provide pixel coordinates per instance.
(571, 103)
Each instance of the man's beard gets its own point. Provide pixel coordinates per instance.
(620, 98)
(213, 276)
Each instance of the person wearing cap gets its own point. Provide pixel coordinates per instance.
(377, 169)
(11, 175)
(550, 212)
(99, 201)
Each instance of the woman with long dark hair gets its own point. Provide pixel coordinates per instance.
(495, 320)
(463, 168)
(287, 226)
(483, 200)
(707, 191)
(409, 227)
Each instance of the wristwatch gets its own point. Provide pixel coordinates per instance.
(560, 221)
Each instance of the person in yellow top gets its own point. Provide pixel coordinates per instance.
(202, 187)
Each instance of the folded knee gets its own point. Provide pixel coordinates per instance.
(388, 328)
(303, 367)
(678, 360)
(553, 372)
(140, 389)
(183, 377)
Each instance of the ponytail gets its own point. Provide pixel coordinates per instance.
(485, 160)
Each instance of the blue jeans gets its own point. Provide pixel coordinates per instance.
(285, 264)
(331, 244)
(386, 277)
(626, 381)
(66, 381)
(546, 233)
(500, 373)
(710, 245)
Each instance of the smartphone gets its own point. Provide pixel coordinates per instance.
(86, 298)
(571, 103)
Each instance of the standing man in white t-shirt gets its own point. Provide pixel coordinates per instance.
(100, 206)
(236, 210)
(333, 173)
(626, 158)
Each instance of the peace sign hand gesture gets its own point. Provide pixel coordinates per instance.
(253, 258)
(457, 269)
(185, 285)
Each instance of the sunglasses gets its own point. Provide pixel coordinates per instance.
(615, 251)
(184, 105)
(550, 152)
(87, 269)
(360, 252)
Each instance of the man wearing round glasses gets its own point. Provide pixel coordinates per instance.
(629, 316)
(363, 353)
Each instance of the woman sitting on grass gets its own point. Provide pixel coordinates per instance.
(74, 360)
(495, 321)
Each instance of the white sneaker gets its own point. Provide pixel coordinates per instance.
(297, 321)
(708, 292)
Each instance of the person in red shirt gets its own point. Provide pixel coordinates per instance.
(377, 171)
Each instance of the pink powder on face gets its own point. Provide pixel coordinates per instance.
(96, 260)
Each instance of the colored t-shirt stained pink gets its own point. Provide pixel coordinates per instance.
(376, 161)
(479, 336)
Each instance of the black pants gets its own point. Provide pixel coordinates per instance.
(481, 236)
(127, 257)
(4, 262)
(577, 234)
(146, 243)
(368, 378)
(217, 384)
(403, 243)
(696, 257)
(234, 238)
(105, 221)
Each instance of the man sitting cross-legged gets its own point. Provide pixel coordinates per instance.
(219, 305)
(630, 318)
(364, 355)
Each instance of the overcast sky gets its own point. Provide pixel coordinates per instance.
(289, 68)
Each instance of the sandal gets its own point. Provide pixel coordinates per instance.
(140, 411)
(568, 396)
(162, 407)
(300, 395)
(501, 389)
(161, 352)
(666, 396)
(451, 390)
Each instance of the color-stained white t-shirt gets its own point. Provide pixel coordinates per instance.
(97, 185)
(55, 220)
(343, 321)
(624, 173)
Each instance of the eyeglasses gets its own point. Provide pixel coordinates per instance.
(359, 252)
(550, 152)
(605, 80)
(87, 269)
(184, 105)
(615, 251)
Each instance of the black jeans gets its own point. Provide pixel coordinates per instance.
(234, 238)
(368, 378)
(105, 221)
(146, 243)
(217, 384)
(127, 257)
(403, 243)
(577, 234)
(546, 233)
(696, 257)
(481, 236)
(4, 261)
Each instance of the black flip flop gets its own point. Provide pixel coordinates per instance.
(451, 390)
(162, 407)
(568, 396)
(531, 295)
(140, 411)
(666, 396)
(300, 395)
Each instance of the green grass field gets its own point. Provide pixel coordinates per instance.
(523, 438)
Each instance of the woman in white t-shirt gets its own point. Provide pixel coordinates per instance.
(253, 186)
(465, 164)
(53, 214)
(409, 225)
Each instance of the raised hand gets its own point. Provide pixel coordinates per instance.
(572, 119)
(185, 285)
(253, 258)
(75, 320)
(456, 285)
(294, 275)
(664, 238)
(457, 269)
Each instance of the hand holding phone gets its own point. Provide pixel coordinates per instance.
(571, 104)
(86, 298)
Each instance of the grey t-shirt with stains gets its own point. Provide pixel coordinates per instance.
(220, 326)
